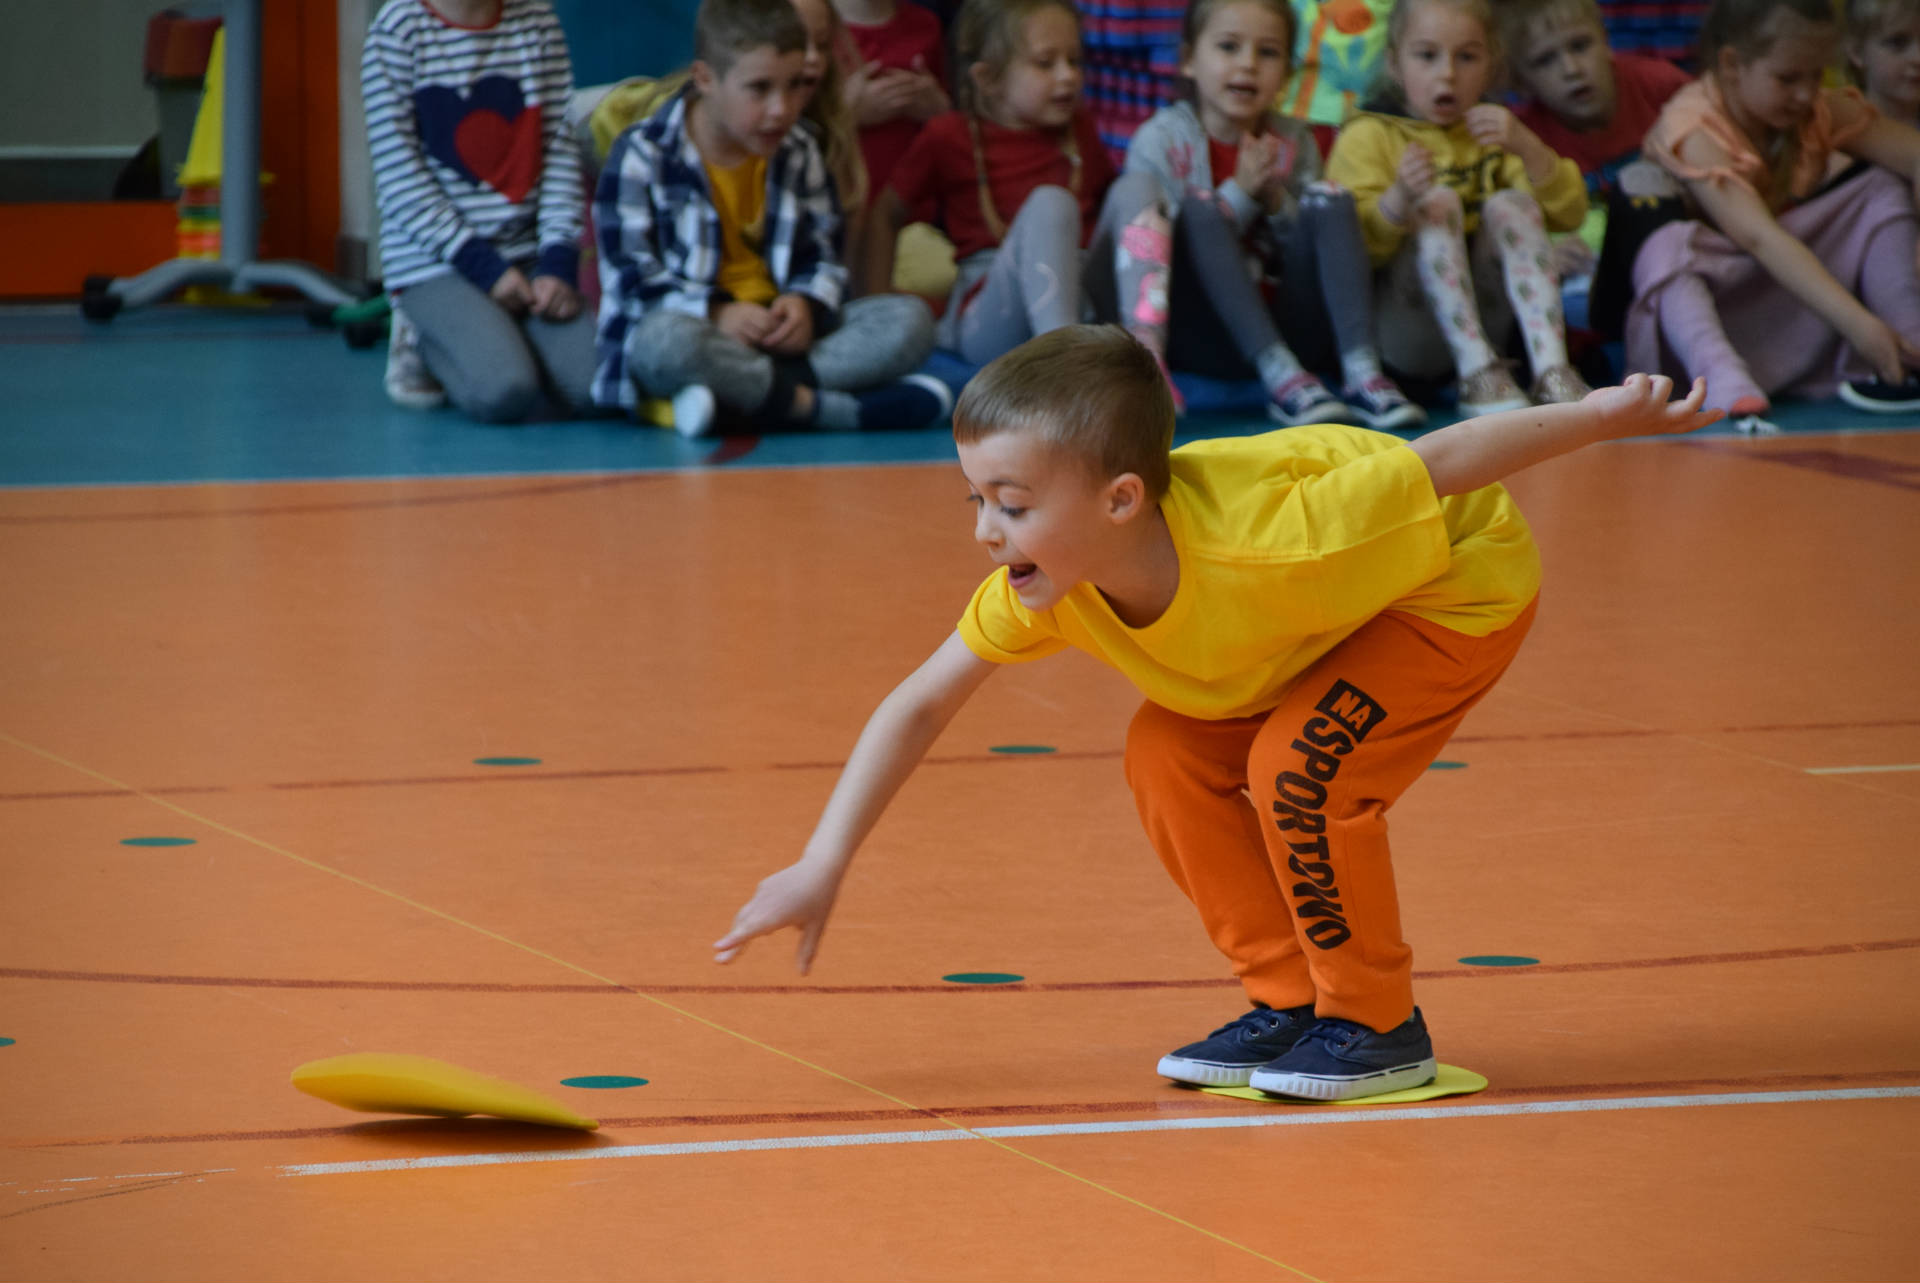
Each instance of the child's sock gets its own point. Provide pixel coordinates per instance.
(1278, 366)
(1690, 323)
(917, 401)
(1360, 366)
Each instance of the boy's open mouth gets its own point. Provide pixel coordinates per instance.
(1021, 573)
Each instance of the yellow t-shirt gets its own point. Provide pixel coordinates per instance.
(1366, 157)
(1288, 542)
(740, 198)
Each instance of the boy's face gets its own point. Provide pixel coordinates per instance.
(1036, 513)
(755, 104)
(1889, 62)
(1565, 67)
(1443, 62)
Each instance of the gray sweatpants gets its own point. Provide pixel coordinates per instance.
(494, 364)
(1039, 279)
(880, 338)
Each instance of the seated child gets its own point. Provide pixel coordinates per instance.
(1310, 614)
(1782, 283)
(1593, 106)
(1585, 101)
(899, 82)
(720, 284)
(479, 228)
(1268, 261)
(1018, 179)
(1452, 194)
(1883, 52)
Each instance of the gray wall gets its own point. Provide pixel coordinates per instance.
(70, 74)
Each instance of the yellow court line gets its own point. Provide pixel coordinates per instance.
(662, 1003)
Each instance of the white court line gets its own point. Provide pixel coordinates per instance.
(1319, 1116)
(1861, 770)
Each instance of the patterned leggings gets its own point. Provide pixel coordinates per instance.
(1439, 299)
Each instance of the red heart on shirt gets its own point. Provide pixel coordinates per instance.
(504, 154)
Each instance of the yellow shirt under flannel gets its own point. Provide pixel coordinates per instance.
(740, 198)
(1288, 542)
(1366, 156)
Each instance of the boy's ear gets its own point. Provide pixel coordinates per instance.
(1126, 498)
(702, 76)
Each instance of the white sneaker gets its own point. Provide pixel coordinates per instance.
(408, 382)
(693, 410)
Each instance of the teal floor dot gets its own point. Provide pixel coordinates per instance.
(604, 1081)
(1500, 960)
(157, 841)
(983, 978)
(506, 761)
(1021, 748)
(6, 1042)
(1444, 765)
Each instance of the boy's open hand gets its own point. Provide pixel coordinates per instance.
(799, 895)
(1640, 407)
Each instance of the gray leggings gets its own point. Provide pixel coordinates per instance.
(879, 338)
(1039, 279)
(1219, 323)
(491, 362)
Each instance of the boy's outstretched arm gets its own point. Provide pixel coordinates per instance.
(1478, 452)
(897, 736)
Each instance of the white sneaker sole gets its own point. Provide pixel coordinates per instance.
(1315, 1087)
(693, 410)
(1872, 406)
(1201, 1073)
(1407, 416)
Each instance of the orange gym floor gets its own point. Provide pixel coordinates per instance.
(331, 756)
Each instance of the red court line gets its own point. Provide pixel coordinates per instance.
(355, 505)
(1848, 464)
(956, 759)
(1181, 1101)
(1060, 986)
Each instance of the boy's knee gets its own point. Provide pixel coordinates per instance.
(663, 349)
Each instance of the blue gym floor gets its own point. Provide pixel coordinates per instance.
(184, 394)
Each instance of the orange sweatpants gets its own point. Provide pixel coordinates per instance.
(1297, 889)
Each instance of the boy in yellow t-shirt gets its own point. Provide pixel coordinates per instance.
(1310, 614)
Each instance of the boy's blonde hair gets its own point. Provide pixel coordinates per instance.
(723, 30)
(988, 31)
(1088, 391)
(1515, 20)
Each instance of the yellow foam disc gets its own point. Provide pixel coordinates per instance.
(1450, 1080)
(377, 1082)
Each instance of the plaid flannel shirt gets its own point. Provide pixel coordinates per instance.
(658, 235)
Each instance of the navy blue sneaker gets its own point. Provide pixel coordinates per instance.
(1228, 1056)
(1879, 397)
(1340, 1060)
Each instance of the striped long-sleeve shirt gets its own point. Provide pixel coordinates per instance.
(472, 164)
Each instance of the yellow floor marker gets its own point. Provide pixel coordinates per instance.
(384, 1083)
(1451, 1080)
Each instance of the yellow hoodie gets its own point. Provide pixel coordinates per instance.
(1366, 156)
